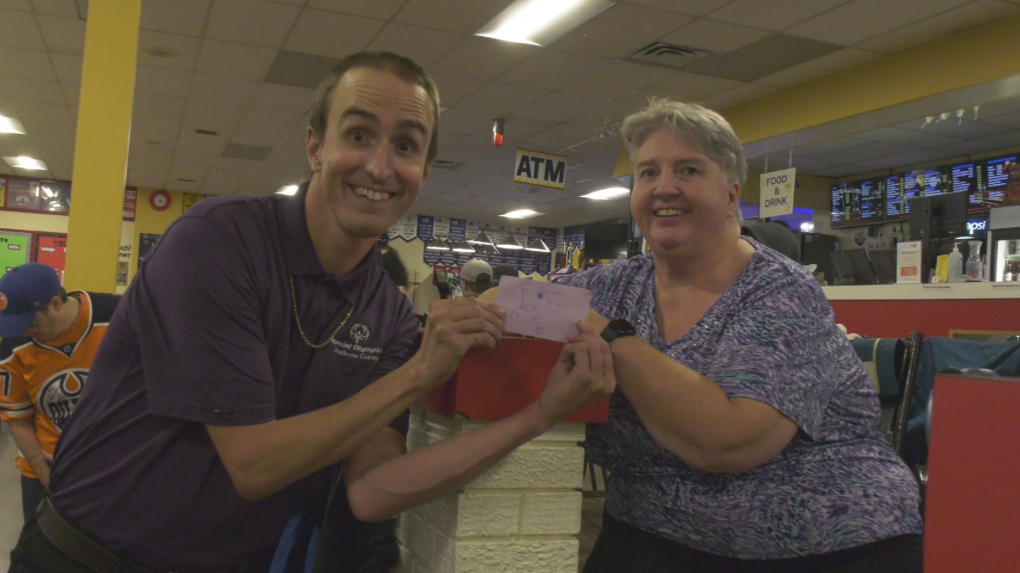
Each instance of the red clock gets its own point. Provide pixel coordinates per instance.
(159, 200)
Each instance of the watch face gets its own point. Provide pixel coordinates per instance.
(622, 327)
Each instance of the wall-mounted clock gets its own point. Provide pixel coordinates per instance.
(159, 200)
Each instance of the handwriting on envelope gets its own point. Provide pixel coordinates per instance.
(543, 310)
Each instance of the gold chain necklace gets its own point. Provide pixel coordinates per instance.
(297, 319)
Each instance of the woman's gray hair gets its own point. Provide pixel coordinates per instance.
(705, 129)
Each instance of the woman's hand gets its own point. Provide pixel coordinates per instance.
(583, 374)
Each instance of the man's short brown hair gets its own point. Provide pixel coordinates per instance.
(402, 67)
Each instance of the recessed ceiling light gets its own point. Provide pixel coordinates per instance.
(520, 214)
(26, 163)
(10, 125)
(287, 190)
(541, 22)
(607, 194)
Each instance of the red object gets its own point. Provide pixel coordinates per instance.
(973, 501)
(497, 140)
(159, 200)
(497, 132)
(51, 250)
(495, 384)
(897, 318)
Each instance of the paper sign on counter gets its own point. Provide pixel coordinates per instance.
(541, 309)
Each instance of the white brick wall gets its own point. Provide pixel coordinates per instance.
(520, 516)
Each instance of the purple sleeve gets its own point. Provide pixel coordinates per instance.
(201, 334)
(779, 348)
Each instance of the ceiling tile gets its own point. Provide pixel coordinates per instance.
(1009, 120)
(178, 17)
(25, 64)
(193, 159)
(63, 35)
(246, 151)
(234, 60)
(146, 180)
(500, 99)
(773, 15)
(221, 132)
(160, 127)
(51, 133)
(714, 36)
(905, 159)
(862, 19)
(159, 105)
(940, 26)
(18, 29)
(483, 58)
(995, 108)
(459, 121)
(299, 70)
(828, 64)
(331, 34)
(32, 90)
(558, 107)
(150, 155)
(764, 57)
(620, 30)
(871, 150)
(619, 79)
(465, 16)
(15, 4)
(222, 89)
(424, 45)
(284, 98)
(687, 87)
(826, 147)
(162, 81)
(907, 137)
(552, 69)
(199, 145)
(62, 8)
(453, 89)
(68, 67)
(213, 113)
(251, 22)
(560, 136)
(378, 9)
(692, 7)
(990, 144)
(736, 96)
(953, 127)
(29, 110)
(71, 93)
(270, 120)
(185, 47)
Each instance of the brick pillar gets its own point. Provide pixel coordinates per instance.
(522, 515)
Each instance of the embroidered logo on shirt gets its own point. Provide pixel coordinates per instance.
(59, 395)
(360, 333)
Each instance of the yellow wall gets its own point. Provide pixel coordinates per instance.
(35, 222)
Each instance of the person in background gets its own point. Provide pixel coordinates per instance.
(475, 278)
(394, 268)
(50, 338)
(503, 271)
(260, 345)
(744, 435)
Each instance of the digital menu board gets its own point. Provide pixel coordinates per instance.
(993, 175)
(900, 189)
(858, 203)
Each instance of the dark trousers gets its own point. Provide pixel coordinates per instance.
(32, 492)
(35, 554)
(622, 548)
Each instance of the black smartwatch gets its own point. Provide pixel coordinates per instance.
(617, 328)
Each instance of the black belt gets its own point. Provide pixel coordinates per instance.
(79, 546)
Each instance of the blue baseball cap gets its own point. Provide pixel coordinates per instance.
(24, 291)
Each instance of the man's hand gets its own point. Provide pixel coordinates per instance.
(583, 374)
(452, 328)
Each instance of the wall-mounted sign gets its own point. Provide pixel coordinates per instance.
(542, 169)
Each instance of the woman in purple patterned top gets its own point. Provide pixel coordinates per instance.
(744, 435)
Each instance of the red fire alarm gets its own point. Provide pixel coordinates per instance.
(497, 132)
(159, 200)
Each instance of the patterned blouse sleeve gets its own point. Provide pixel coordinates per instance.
(780, 347)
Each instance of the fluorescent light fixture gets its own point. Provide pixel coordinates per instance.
(520, 214)
(26, 163)
(607, 194)
(463, 247)
(537, 245)
(511, 244)
(481, 239)
(287, 190)
(541, 22)
(437, 244)
(10, 125)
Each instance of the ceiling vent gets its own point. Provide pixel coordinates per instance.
(667, 55)
(447, 164)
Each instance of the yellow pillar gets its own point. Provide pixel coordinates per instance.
(101, 144)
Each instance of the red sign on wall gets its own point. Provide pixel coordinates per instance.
(130, 204)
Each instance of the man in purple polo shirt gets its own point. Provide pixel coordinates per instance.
(260, 344)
